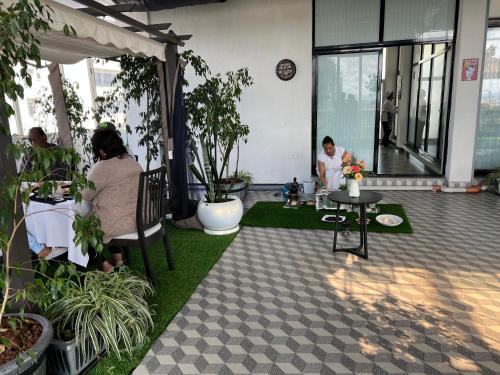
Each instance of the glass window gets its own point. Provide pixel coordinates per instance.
(339, 22)
(422, 104)
(28, 112)
(346, 102)
(435, 104)
(421, 20)
(487, 154)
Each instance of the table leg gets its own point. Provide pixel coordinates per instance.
(364, 231)
(336, 228)
(363, 237)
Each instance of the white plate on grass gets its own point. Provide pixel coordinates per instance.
(332, 218)
(389, 220)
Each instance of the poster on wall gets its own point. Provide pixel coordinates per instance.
(469, 69)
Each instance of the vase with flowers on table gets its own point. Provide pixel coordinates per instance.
(354, 170)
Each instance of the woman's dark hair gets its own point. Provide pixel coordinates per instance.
(327, 140)
(109, 142)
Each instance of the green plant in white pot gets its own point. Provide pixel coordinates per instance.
(214, 120)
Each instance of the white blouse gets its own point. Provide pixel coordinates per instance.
(333, 168)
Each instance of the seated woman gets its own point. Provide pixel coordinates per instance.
(116, 178)
(329, 164)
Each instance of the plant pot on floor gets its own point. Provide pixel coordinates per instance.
(68, 358)
(34, 362)
(221, 218)
(238, 188)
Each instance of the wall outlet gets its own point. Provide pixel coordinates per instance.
(293, 155)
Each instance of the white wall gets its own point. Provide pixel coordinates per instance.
(494, 8)
(257, 34)
(471, 33)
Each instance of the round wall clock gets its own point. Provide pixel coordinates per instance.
(286, 69)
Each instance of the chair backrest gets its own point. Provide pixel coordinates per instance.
(151, 199)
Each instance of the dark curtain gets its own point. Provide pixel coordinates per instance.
(182, 208)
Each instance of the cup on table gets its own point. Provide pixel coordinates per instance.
(57, 194)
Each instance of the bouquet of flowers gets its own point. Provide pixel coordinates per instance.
(352, 167)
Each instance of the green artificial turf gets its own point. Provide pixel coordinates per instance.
(273, 214)
(194, 253)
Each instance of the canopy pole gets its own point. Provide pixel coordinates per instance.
(20, 253)
(160, 66)
(62, 120)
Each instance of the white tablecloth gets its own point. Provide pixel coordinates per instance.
(52, 226)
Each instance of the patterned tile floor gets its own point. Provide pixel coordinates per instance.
(279, 302)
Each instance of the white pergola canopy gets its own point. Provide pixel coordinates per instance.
(94, 37)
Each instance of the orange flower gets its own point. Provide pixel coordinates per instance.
(362, 164)
(346, 158)
(358, 177)
(347, 170)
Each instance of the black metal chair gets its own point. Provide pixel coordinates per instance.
(150, 218)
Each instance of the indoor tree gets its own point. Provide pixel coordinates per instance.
(137, 80)
(77, 115)
(19, 49)
(212, 112)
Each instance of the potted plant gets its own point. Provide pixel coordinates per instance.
(493, 179)
(24, 338)
(211, 109)
(99, 312)
(237, 184)
(17, 45)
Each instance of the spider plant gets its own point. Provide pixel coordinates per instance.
(109, 305)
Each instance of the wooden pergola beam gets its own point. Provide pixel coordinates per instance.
(157, 26)
(116, 8)
(108, 11)
(183, 37)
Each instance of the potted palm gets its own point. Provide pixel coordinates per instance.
(211, 109)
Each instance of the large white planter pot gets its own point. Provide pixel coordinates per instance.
(220, 218)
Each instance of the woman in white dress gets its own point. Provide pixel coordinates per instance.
(329, 164)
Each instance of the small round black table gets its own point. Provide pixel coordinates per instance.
(366, 197)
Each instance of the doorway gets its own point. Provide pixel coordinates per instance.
(418, 76)
(351, 87)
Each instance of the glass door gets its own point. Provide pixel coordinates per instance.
(346, 102)
(487, 153)
(427, 117)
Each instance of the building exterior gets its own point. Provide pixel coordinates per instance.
(347, 54)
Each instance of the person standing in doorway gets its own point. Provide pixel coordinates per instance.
(421, 119)
(388, 112)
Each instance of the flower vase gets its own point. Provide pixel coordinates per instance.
(353, 188)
